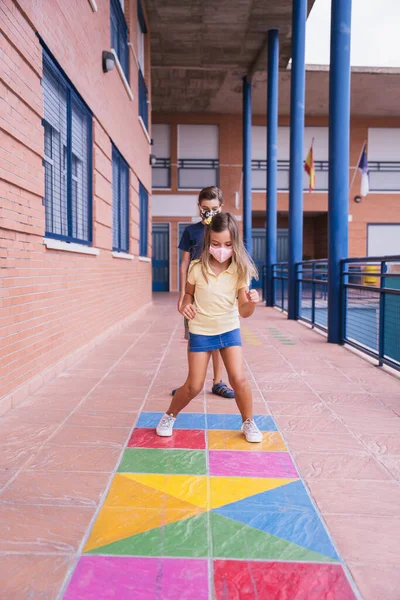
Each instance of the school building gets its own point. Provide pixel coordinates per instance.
(75, 180)
(198, 149)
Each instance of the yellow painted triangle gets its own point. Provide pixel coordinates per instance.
(114, 524)
(224, 490)
(127, 492)
(191, 489)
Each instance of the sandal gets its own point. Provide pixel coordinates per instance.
(221, 389)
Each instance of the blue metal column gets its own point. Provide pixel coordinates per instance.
(297, 101)
(339, 141)
(272, 159)
(247, 208)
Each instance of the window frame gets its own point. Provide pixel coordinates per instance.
(143, 221)
(72, 98)
(122, 35)
(122, 164)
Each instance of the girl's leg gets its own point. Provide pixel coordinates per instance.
(217, 366)
(198, 363)
(233, 360)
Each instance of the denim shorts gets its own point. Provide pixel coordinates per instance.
(208, 343)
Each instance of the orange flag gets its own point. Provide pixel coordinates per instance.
(309, 167)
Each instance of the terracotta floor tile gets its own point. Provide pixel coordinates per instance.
(103, 418)
(41, 528)
(392, 464)
(365, 424)
(91, 436)
(24, 435)
(339, 466)
(382, 444)
(311, 407)
(363, 538)
(323, 442)
(377, 581)
(5, 476)
(56, 489)
(75, 458)
(119, 403)
(375, 498)
(312, 424)
(35, 416)
(26, 576)
(14, 457)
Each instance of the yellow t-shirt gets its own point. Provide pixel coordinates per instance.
(215, 300)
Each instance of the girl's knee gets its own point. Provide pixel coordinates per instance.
(193, 388)
(238, 382)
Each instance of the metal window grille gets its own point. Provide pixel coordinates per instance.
(67, 158)
(161, 172)
(259, 168)
(196, 173)
(119, 35)
(120, 202)
(144, 220)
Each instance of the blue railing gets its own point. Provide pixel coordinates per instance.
(370, 302)
(371, 307)
(280, 278)
(312, 292)
(143, 100)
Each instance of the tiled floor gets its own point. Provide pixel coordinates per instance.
(94, 505)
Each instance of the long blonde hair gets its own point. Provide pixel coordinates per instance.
(245, 266)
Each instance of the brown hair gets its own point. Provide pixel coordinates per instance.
(246, 268)
(211, 193)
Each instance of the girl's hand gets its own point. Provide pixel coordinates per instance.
(253, 296)
(188, 311)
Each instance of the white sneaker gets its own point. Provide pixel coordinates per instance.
(165, 426)
(251, 431)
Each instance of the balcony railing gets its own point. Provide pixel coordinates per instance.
(384, 176)
(312, 292)
(161, 172)
(196, 173)
(259, 168)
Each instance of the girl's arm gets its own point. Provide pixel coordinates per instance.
(247, 301)
(187, 309)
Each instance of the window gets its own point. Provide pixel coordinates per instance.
(119, 35)
(161, 171)
(144, 220)
(198, 151)
(143, 94)
(384, 159)
(67, 158)
(120, 202)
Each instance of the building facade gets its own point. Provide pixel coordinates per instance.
(75, 179)
(195, 150)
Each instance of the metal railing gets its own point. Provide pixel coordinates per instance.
(371, 306)
(280, 275)
(196, 173)
(312, 292)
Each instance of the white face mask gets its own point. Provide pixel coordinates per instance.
(221, 254)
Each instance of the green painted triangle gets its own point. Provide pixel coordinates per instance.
(232, 539)
(186, 538)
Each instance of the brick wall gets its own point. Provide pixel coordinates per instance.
(54, 302)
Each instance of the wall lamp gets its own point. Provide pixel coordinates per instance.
(357, 199)
(108, 61)
(153, 159)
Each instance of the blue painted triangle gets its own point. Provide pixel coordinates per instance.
(286, 512)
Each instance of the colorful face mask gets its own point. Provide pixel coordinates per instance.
(207, 215)
(221, 254)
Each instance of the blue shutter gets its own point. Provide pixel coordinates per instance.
(144, 220)
(120, 202)
(67, 158)
(119, 35)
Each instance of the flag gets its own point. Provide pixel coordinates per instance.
(363, 168)
(309, 167)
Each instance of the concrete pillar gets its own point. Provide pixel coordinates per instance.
(247, 204)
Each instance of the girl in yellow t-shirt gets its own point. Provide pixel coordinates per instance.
(217, 292)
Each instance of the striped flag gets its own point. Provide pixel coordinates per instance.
(309, 167)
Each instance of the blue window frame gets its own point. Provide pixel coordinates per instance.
(120, 202)
(144, 220)
(67, 158)
(119, 35)
(143, 93)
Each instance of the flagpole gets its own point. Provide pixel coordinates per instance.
(358, 162)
